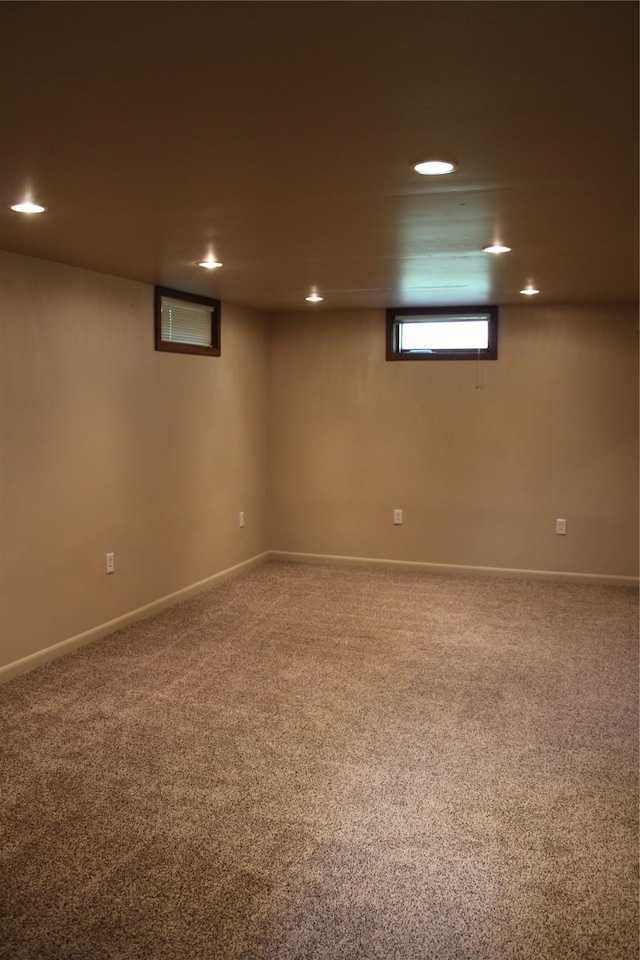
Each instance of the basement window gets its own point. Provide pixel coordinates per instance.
(186, 322)
(442, 333)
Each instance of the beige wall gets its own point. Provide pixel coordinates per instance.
(107, 445)
(481, 474)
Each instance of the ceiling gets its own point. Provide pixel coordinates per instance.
(280, 137)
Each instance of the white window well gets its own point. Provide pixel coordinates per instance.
(186, 323)
(449, 333)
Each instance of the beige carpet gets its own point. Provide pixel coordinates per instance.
(321, 763)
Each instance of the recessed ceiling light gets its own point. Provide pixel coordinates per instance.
(209, 264)
(530, 290)
(314, 298)
(27, 206)
(496, 248)
(435, 167)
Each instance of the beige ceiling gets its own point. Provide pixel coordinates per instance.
(280, 137)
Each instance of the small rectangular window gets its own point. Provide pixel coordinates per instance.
(442, 333)
(186, 323)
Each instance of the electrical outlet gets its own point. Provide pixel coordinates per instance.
(561, 527)
(111, 563)
(397, 517)
(241, 518)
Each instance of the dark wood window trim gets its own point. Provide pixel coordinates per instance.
(392, 340)
(177, 347)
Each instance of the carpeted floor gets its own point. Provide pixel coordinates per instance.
(327, 762)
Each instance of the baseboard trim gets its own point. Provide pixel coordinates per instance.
(34, 660)
(457, 569)
(41, 657)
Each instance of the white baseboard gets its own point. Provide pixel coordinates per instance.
(41, 657)
(458, 569)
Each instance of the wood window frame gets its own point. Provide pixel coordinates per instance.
(392, 321)
(170, 346)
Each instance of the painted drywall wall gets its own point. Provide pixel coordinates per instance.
(108, 445)
(482, 459)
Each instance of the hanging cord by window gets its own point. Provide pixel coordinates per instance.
(479, 373)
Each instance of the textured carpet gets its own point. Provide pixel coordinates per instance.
(322, 762)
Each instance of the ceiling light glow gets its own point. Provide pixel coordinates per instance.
(496, 248)
(209, 264)
(27, 206)
(530, 290)
(314, 297)
(435, 167)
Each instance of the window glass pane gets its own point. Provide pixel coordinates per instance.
(186, 322)
(444, 335)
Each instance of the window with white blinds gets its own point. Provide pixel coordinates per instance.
(187, 323)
